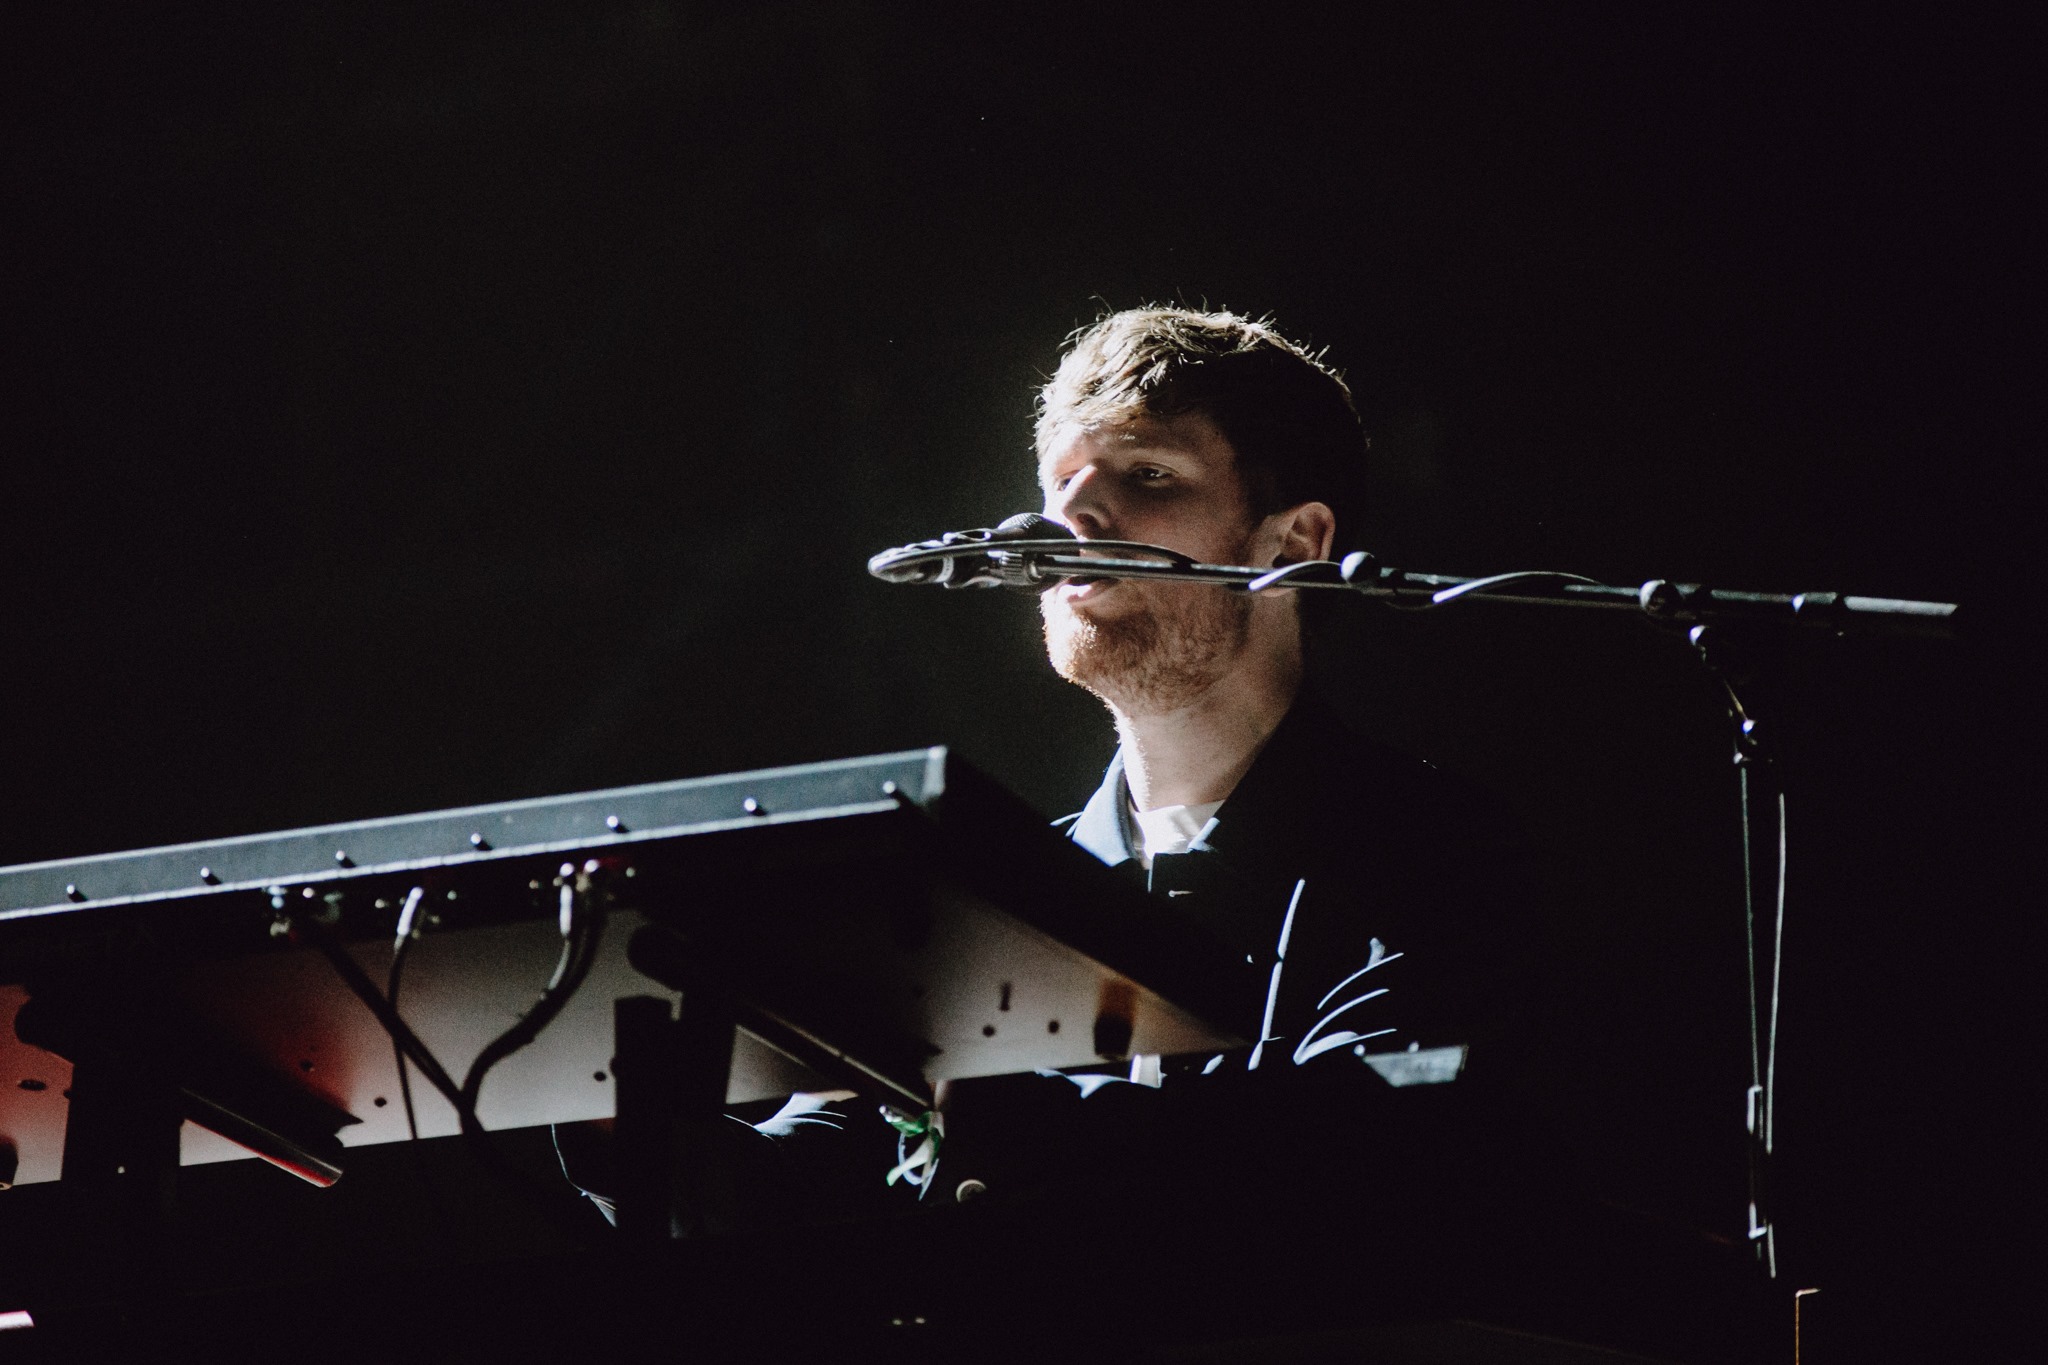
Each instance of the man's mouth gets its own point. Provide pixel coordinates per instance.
(1080, 588)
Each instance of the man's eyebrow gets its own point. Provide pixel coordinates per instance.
(1129, 443)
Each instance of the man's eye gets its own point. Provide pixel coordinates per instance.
(1146, 473)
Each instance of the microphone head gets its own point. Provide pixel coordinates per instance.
(960, 559)
(1031, 526)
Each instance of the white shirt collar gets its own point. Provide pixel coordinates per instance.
(1172, 829)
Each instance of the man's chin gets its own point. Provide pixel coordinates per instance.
(1134, 657)
(1093, 648)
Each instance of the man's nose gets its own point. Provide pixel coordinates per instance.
(1084, 505)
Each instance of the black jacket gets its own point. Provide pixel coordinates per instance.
(1413, 913)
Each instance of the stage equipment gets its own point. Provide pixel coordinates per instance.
(875, 925)
(1030, 552)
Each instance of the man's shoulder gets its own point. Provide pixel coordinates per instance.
(1318, 754)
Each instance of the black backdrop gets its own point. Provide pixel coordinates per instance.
(446, 403)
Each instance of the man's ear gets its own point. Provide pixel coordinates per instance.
(1305, 531)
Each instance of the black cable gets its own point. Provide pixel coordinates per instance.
(412, 1122)
(1763, 1009)
(1476, 587)
(1777, 974)
(1479, 586)
(1749, 928)
(353, 976)
(583, 928)
(407, 931)
(568, 973)
(1286, 572)
(1777, 984)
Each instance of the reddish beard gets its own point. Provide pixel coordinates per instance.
(1155, 659)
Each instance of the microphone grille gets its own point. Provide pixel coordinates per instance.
(1031, 526)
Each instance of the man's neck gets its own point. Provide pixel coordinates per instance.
(1197, 753)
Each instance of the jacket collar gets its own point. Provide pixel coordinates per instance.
(1254, 815)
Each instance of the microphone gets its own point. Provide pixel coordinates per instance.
(997, 557)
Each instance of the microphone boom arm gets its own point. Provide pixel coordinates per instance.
(976, 559)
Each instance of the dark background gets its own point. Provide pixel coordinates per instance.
(449, 403)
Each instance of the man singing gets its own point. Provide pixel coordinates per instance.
(1359, 908)
(1362, 895)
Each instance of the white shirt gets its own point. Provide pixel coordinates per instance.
(1171, 829)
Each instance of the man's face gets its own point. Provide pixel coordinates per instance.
(1147, 646)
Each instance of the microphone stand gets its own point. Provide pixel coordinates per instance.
(1713, 619)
